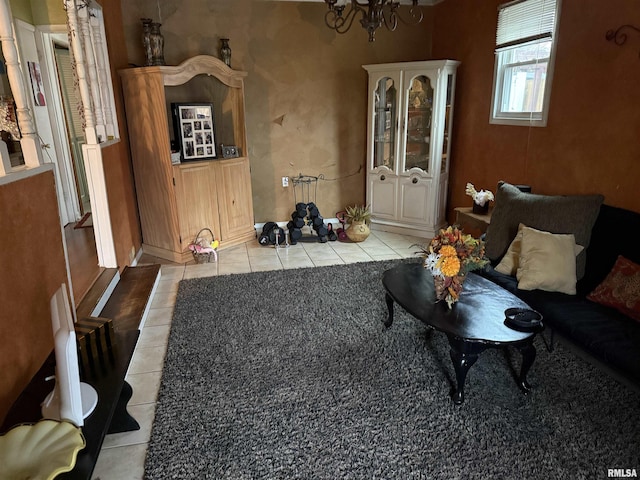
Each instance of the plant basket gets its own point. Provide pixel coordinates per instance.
(480, 209)
(358, 231)
(203, 247)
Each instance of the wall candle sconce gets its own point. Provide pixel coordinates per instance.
(619, 36)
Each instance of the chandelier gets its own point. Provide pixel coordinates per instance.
(373, 14)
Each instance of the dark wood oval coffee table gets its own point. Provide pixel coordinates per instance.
(475, 323)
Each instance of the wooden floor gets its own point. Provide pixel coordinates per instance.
(83, 259)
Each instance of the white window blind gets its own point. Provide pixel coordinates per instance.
(65, 75)
(524, 21)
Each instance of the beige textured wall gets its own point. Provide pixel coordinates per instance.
(21, 9)
(48, 12)
(39, 12)
(305, 92)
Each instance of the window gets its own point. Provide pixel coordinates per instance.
(525, 47)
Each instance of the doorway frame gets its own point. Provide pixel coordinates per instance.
(91, 153)
(45, 36)
(31, 144)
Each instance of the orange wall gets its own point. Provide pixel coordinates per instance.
(32, 269)
(590, 143)
(117, 161)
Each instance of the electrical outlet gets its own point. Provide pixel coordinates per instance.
(285, 181)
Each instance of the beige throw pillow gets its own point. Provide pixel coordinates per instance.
(511, 260)
(547, 262)
(509, 263)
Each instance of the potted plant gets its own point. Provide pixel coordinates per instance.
(358, 218)
(481, 199)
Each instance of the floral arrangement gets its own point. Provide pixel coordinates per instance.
(449, 257)
(479, 197)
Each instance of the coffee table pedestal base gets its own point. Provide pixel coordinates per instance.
(389, 321)
(465, 353)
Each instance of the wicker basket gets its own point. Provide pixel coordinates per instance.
(358, 231)
(202, 248)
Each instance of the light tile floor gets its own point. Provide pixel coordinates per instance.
(123, 454)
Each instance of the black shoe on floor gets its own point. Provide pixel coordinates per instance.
(332, 234)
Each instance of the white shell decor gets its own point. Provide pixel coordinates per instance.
(40, 451)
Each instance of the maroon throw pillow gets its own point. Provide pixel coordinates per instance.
(621, 288)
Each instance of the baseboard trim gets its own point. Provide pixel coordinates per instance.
(422, 232)
(136, 259)
(145, 314)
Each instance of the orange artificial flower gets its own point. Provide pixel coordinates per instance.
(448, 251)
(449, 266)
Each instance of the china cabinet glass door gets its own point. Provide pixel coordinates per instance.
(447, 125)
(419, 111)
(385, 120)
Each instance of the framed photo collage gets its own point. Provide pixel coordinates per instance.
(195, 131)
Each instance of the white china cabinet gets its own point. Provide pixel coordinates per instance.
(408, 141)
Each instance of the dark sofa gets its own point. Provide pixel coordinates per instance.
(601, 334)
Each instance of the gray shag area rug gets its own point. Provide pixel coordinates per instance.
(292, 375)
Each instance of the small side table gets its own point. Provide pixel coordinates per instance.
(472, 223)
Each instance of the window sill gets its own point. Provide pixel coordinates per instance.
(522, 122)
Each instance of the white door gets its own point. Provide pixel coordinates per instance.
(52, 43)
(73, 123)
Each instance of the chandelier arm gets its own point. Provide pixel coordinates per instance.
(392, 21)
(335, 20)
(416, 14)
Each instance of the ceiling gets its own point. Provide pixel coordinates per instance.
(402, 2)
